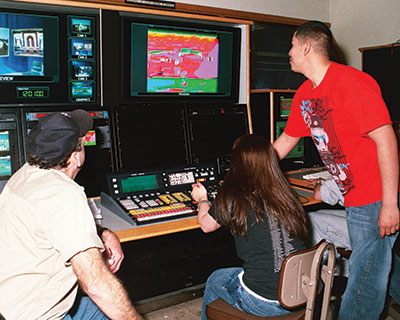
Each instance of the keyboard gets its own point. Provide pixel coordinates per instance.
(325, 175)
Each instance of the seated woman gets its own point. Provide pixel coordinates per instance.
(268, 222)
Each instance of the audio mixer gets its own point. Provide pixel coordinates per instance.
(157, 195)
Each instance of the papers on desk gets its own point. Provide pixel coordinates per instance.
(325, 175)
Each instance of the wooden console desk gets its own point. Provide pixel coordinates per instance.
(125, 232)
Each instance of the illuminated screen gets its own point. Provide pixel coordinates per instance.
(28, 46)
(181, 178)
(185, 60)
(139, 183)
(182, 61)
(90, 138)
(81, 26)
(82, 70)
(82, 89)
(4, 141)
(298, 150)
(285, 106)
(81, 48)
(5, 166)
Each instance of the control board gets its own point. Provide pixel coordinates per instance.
(156, 195)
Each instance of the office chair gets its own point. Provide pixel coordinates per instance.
(299, 284)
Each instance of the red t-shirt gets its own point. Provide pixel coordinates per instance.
(338, 115)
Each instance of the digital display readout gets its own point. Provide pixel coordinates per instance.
(176, 179)
(33, 93)
(139, 183)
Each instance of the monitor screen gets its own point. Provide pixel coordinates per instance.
(4, 141)
(139, 183)
(285, 105)
(90, 138)
(180, 61)
(28, 47)
(5, 166)
(298, 150)
(44, 51)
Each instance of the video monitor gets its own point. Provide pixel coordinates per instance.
(81, 26)
(4, 141)
(182, 61)
(82, 91)
(179, 60)
(90, 138)
(82, 70)
(298, 150)
(82, 49)
(5, 166)
(139, 183)
(28, 47)
(285, 105)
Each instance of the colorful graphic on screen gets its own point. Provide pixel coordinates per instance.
(285, 106)
(4, 141)
(82, 48)
(22, 45)
(5, 166)
(81, 26)
(90, 138)
(82, 89)
(82, 70)
(180, 61)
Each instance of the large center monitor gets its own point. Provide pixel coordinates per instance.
(179, 60)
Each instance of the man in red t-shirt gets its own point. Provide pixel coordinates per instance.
(343, 111)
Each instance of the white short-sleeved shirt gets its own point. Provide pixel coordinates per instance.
(44, 221)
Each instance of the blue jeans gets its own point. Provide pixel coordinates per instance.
(225, 284)
(369, 266)
(85, 309)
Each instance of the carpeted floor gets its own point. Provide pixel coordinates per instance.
(189, 310)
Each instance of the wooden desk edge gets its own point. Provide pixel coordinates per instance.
(159, 229)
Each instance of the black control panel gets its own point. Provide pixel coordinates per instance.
(156, 195)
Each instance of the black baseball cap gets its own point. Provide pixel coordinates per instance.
(56, 135)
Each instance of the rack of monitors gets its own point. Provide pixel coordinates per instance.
(48, 54)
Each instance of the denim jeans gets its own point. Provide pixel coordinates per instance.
(85, 309)
(369, 267)
(225, 284)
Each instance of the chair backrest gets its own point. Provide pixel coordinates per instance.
(301, 275)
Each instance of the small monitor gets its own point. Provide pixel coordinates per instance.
(5, 166)
(298, 150)
(82, 48)
(285, 105)
(4, 141)
(139, 183)
(82, 91)
(82, 70)
(81, 27)
(90, 138)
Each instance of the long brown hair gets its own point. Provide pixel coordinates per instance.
(256, 181)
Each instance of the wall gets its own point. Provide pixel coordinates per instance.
(302, 9)
(355, 24)
(364, 23)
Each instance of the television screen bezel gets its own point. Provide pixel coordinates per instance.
(206, 26)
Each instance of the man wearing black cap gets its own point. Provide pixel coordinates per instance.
(48, 239)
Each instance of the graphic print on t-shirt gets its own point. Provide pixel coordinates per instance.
(281, 243)
(318, 118)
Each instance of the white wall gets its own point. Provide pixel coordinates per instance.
(364, 23)
(302, 9)
(355, 23)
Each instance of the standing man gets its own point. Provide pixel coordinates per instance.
(343, 111)
(48, 240)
